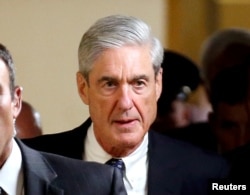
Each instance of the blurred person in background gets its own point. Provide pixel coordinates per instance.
(183, 100)
(225, 57)
(28, 123)
(183, 107)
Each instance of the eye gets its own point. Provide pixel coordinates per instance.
(139, 83)
(109, 84)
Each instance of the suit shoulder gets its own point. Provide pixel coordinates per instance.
(84, 170)
(71, 163)
(56, 143)
(67, 173)
(186, 154)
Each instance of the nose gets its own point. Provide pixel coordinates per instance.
(125, 101)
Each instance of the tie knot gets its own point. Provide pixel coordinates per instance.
(118, 163)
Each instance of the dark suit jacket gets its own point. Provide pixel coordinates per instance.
(240, 159)
(199, 134)
(175, 167)
(46, 173)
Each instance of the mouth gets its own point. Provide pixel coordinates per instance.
(125, 122)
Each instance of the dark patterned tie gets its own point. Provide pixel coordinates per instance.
(118, 163)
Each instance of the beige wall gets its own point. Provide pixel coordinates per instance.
(233, 13)
(192, 21)
(43, 37)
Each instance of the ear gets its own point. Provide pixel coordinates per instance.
(186, 115)
(158, 83)
(182, 113)
(82, 86)
(17, 101)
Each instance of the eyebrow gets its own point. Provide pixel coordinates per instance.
(135, 78)
(105, 78)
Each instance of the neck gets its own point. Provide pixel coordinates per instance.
(120, 150)
(6, 152)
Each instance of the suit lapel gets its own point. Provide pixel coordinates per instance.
(40, 186)
(38, 174)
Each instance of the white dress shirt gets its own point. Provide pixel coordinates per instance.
(11, 173)
(135, 177)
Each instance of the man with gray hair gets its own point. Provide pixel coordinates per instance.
(120, 79)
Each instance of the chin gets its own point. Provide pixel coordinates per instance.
(129, 140)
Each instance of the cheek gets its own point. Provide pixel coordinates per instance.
(6, 119)
(147, 109)
(99, 106)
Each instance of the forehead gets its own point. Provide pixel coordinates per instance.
(127, 59)
(4, 77)
(3, 69)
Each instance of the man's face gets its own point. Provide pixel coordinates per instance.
(231, 124)
(8, 111)
(122, 96)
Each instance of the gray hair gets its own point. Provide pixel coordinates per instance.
(113, 32)
(216, 45)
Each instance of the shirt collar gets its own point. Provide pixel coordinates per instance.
(11, 175)
(93, 151)
(136, 163)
